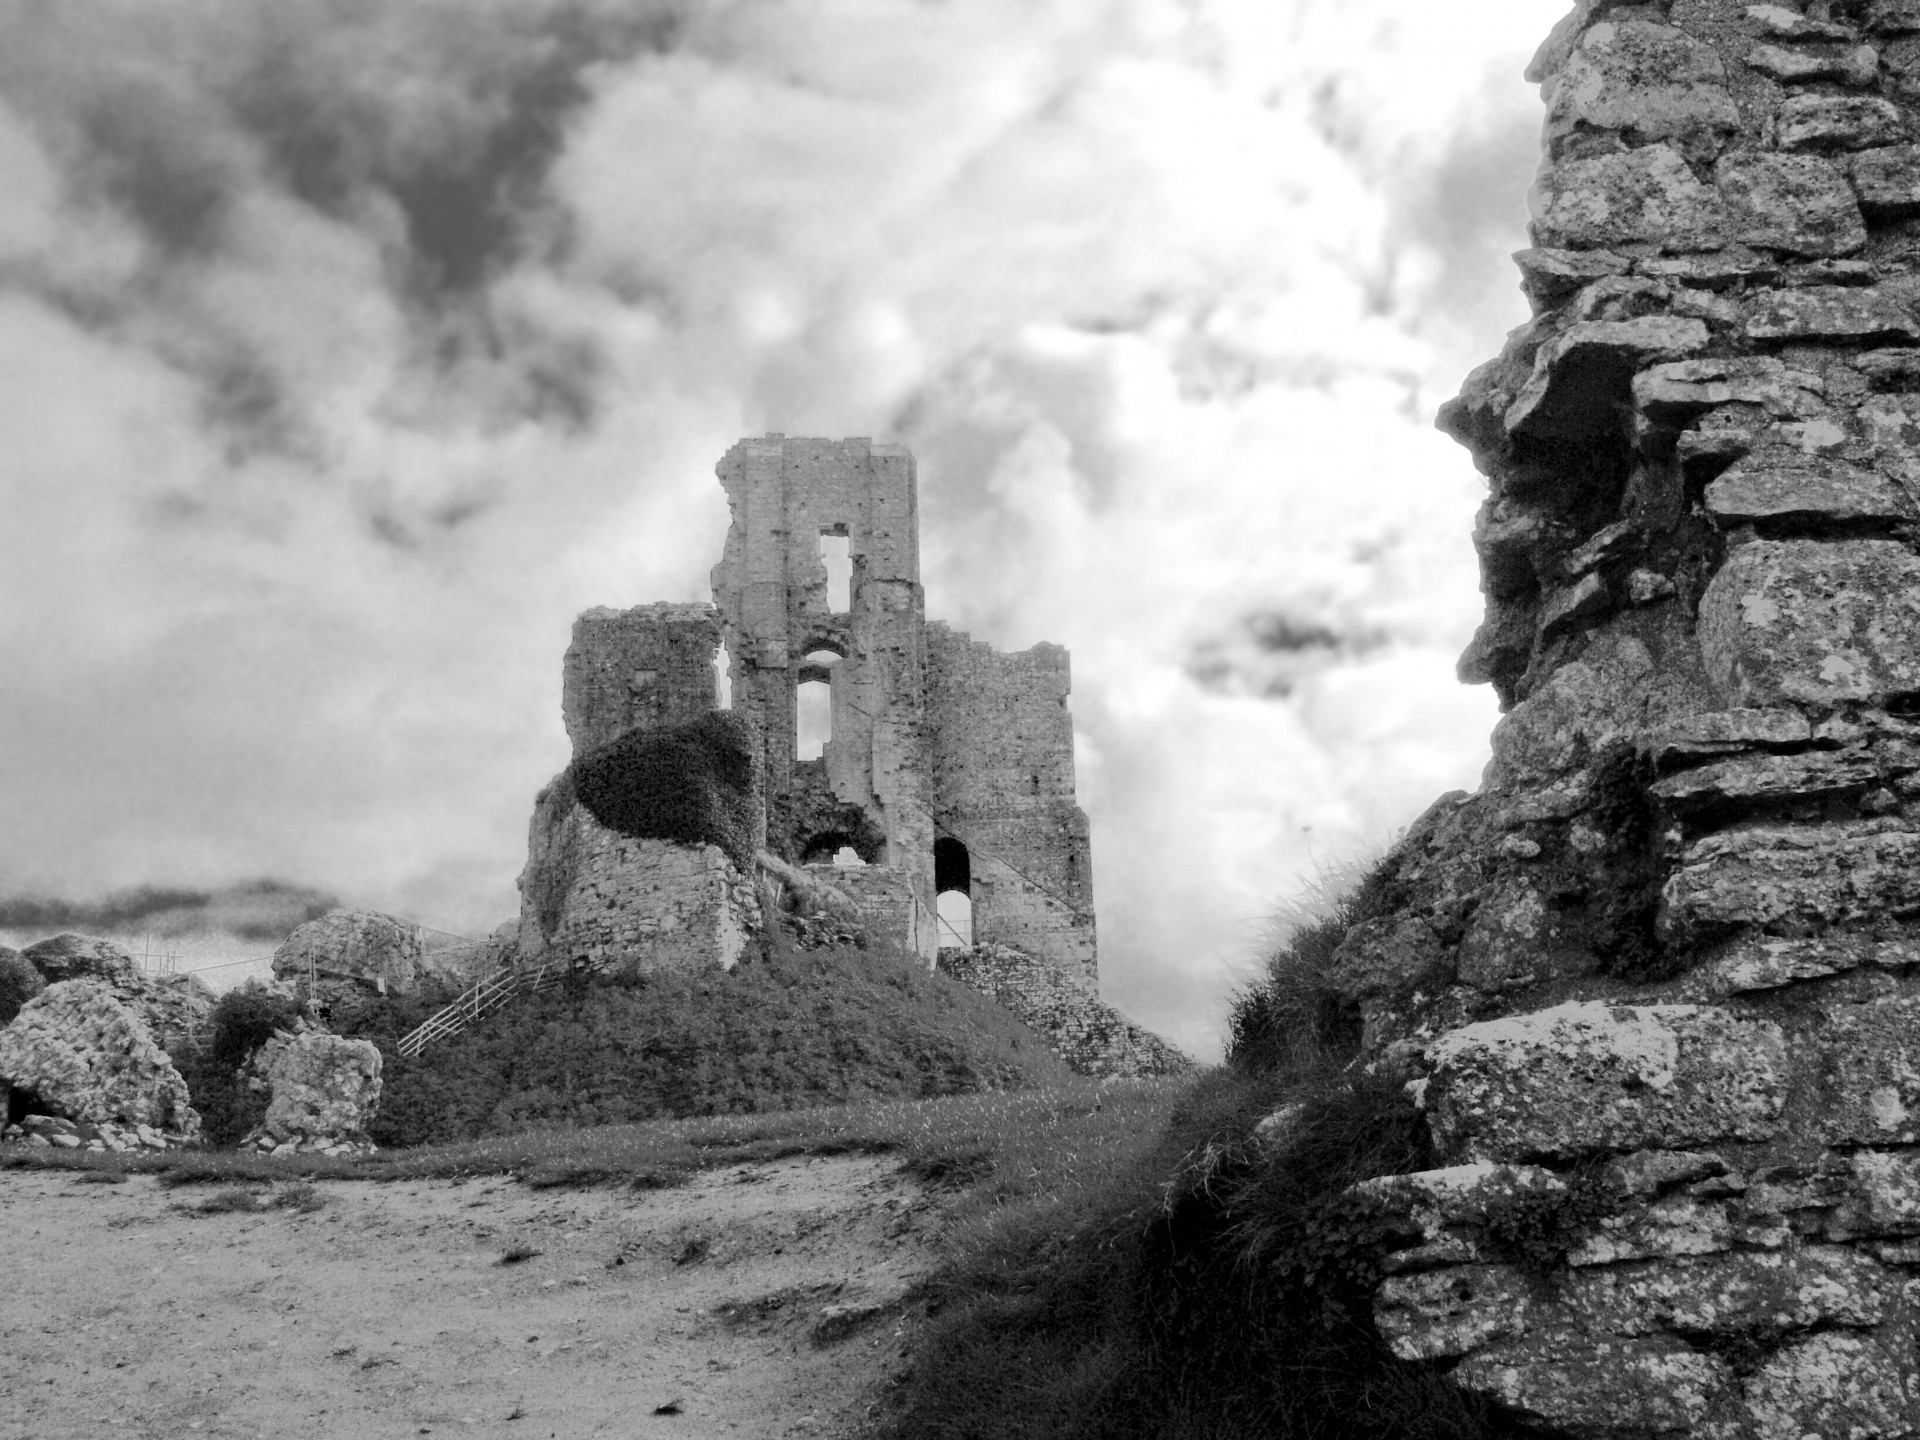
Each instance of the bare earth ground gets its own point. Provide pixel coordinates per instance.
(386, 1311)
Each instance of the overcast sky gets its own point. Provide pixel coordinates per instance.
(348, 348)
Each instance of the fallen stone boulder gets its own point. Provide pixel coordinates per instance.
(83, 1055)
(173, 1006)
(326, 1090)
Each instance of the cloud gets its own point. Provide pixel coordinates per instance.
(349, 350)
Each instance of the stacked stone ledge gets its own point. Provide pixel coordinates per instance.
(1664, 961)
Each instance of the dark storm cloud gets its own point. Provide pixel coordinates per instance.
(1271, 653)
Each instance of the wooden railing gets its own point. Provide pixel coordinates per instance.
(482, 998)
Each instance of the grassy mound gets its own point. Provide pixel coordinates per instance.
(785, 1029)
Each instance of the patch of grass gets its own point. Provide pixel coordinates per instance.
(305, 1198)
(234, 1198)
(101, 1177)
(786, 1029)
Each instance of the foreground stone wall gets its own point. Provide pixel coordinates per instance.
(1657, 981)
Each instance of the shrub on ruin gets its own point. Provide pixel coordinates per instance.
(693, 783)
(19, 983)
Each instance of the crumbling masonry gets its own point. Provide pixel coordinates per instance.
(1657, 984)
(947, 766)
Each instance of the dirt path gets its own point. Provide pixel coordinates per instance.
(386, 1313)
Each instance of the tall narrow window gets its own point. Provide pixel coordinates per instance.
(723, 678)
(813, 705)
(836, 553)
(953, 879)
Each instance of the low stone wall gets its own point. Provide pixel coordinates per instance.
(644, 904)
(885, 896)
(1086, 1032)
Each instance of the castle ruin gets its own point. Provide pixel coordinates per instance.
(811, 717)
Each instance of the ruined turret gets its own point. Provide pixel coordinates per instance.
(1657, 983)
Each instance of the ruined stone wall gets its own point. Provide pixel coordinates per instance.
(651, 666)
(630, 904)
(1003, 785)
(887, 899)
(869, 788)
(1657, 981)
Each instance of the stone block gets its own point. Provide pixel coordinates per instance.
(1654, 82)
(1643, 197)
(1722, 732)
(86, 1056)
(1763, 962)
(1835, 1384)
(1838, 122)
(1506, 942)
(1830, 313)
(1583, 1386)
(1799, 204)
(1750, 779)
(1586, 1078)
(1812, 623)
(1849, 64)
(1675, 393)
(1788, 876)
(1799, 490)
(1552, 277)
(1887, 181)
(1582, 378)
(1886, 1192)
(1869, 1073)
(1382, 957)
(1665, 1228)
(1442, 1313)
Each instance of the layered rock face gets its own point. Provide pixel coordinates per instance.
(76, 1052)
(1659, 979)
(173, 1006)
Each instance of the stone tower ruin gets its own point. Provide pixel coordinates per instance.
(1657, 983)
(943, 764)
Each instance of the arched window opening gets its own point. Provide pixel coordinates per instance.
(836, 553)
(952, 866)
(813, 705)
(723, 677)
(956, 919)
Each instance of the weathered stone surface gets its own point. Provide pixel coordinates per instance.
(1653, 82)
(1672, 394)
(1830, 312)
(1887, 180)
(1750, 778)
(1552, 277)
(1799, 621)
(1835, 1384)
(1442, 1313)
(1887, 1190)
(1794, 876)
(1855, 65)
(1378, 957)
(1722, 732)
(1838, 122)
(326, 1090)
(1446, 1210)
(1799, 204)
(375, 950)
(85, 1056)
(1762, 962)
(1671, 1226)
(1734, 1293)
(1585, 1078)
(652, 665)
(1643, 197)
(172, 1006)
(1578, 1386)
(1581, 377)
(1798, 489)
(1870, 1069)
(1505, 944)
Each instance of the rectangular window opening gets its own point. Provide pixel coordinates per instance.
(812, 718)
(836, 553)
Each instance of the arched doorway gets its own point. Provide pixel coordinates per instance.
(953, 892)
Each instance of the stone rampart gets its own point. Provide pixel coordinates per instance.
(1656, 981)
